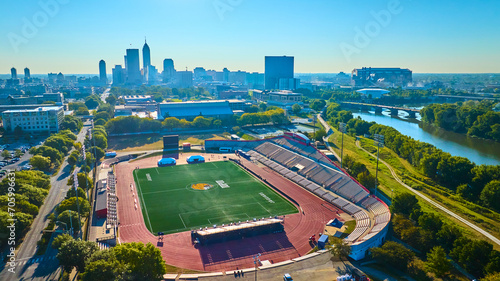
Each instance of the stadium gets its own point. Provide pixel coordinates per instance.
(216, 212)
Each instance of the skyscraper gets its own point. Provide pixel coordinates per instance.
(13, 73)
(27, 74)
(277, 68)
(118, 73)
(168, 70)
(146, 59)
(102, 71)
(133, 67)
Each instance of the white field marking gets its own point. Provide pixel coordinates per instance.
(222, 184)
(210, 222)
(148, 176)
(227, 206)
(167, 190)
(157, 170)
(266, 197)
(264, 208)
(143, 203)
(182, 221)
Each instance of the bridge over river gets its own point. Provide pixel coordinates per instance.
(378, 108)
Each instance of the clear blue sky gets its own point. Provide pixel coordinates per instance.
(450, 36)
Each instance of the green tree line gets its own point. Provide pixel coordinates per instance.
(30, 190)
(473, 118)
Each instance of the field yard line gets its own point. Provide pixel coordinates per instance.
(161, 191)
(227, 206)
(182, 221)
(143, 202)
(157, 170)
(264, 208)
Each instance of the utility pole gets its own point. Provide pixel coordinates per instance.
(379, 142)
(75, 184)
(342, 129)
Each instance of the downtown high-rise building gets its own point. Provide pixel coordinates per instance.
(102, 72)
(27, 73)
(13, 73)
(133, 67)
(168, 70)
(119, 74)
(279, 70)
(146, 60)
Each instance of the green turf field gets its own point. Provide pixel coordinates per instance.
(170, 204)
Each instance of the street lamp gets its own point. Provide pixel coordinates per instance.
(65, 225)
(379, 142)
(342, 129)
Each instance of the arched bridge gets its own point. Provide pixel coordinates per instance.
(379, 107)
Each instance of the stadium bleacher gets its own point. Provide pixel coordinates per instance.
(313, 171)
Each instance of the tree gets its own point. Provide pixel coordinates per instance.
(5, 154)
(447, 236)
(70, 204)
(102, 115)
(492, 277)
(61, 239)
(73, 253)
(366, 179)
(70, 218)
(103, 266)
(99, 152)
(473, 255)
(217, 123)
(100, 141)
(262, 106)
(82, 111)
(404, 203)
(318, 104)
(73, 158)
(437, 262)
(144, 261)
(430, 221)
(40, 163)
(18, 153)
(490, 196)
(92, 101)
(72, 193)
(111, 99)
(296, 109)
(171, 123)
(394, 254)
(339, 248)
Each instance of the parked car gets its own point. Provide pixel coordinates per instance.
(287, 277)
(26, 167)
(3, 164)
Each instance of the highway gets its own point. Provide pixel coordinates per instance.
(45, 267)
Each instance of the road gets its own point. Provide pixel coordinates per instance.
(424, 197)
(45, 267)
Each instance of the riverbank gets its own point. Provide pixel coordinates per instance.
(479, 151)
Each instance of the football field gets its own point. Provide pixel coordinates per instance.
(186, 197)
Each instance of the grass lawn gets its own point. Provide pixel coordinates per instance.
(185, 197)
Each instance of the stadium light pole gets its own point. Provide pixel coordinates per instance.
(256, 259)
(342, 129)
(379, 141)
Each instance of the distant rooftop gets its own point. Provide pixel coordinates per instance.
(47, 108)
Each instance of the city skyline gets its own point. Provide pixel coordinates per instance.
(323, 36)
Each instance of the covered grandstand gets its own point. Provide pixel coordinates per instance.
(303, 164)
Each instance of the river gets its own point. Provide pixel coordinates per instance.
(476, 150)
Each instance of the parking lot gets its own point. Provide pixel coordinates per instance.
(14, 157)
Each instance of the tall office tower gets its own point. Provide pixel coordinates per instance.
(168, 70)
(277, 68)
(13, 73)
(118, 77)
(102, 72)
(133, 67)
(146, 59)
(27, 73)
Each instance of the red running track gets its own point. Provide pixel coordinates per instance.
(177, 249)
